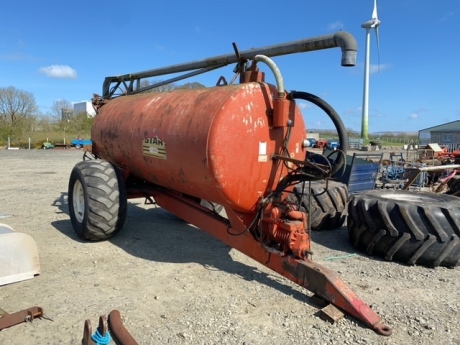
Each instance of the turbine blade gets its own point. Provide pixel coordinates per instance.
(376, 28)
(374, 13)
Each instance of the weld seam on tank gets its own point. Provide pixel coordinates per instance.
(276, 72)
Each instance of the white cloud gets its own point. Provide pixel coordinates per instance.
(17, 57)
(336, 25)
(373, 69)
(303, 105)
(447, 16)
(416, 114)
(59, 71)
(353, 111)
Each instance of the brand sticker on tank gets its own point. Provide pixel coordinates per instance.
(263, 152)
(154, 147)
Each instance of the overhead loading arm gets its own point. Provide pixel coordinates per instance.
(340, 39)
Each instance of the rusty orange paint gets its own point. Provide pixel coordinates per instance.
(213, 143)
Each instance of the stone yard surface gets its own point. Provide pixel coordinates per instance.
(173, 284)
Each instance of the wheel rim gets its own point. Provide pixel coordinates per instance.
(78, 201)
(413, 197)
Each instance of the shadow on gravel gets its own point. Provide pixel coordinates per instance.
(61, 204)
(338, 240)
(157, 235)
(333, 239)
(64, 226)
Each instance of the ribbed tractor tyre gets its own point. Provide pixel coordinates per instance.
(97, 200)
(411, 227)
(454, 186)
(328, 209)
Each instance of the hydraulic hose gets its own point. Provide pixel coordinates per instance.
(322, 104)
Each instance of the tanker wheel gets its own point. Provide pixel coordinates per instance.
(454, 186)
(415, 228)
(97, 200)
(329, 209)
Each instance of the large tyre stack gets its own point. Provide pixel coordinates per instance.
(329, 202)
(415, 228)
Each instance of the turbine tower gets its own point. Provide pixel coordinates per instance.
(370, 24)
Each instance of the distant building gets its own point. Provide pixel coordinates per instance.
(84, 107)
(66, 114)
(447, 135)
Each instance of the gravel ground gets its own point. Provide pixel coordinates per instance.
(173, 284)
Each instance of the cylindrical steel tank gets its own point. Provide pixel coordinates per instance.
(214, 143)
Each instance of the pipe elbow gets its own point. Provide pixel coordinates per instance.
(276, 72)
(349, 47)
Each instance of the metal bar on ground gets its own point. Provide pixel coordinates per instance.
(26, 315)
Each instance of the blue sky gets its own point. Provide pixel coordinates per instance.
(65, 49)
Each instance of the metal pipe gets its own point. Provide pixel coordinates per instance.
(172, 80)
(340, 39)
(119, 332)
(276, 72)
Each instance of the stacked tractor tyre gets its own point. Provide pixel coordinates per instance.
(415, 228)
(329, 201)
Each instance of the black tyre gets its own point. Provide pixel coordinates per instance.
(328, 209)
(454, 186)
(97, 200)
(415, 228)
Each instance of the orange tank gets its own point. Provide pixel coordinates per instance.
(214, 143)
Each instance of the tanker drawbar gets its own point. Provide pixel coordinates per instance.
(234, 147)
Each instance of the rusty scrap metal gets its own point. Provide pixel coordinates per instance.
(119, 333)
(112, 326)
(418, 170)
(88, 331)
(26, 315)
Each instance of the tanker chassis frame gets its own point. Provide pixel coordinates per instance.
(275, 233)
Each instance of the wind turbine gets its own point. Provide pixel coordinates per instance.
(370, 24)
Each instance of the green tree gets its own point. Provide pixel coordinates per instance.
(161, 88)
(189, 86)
(17, 110)
(60, 107)
(80, 125)
(170, 86)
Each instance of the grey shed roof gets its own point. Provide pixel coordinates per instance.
(449, 126)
